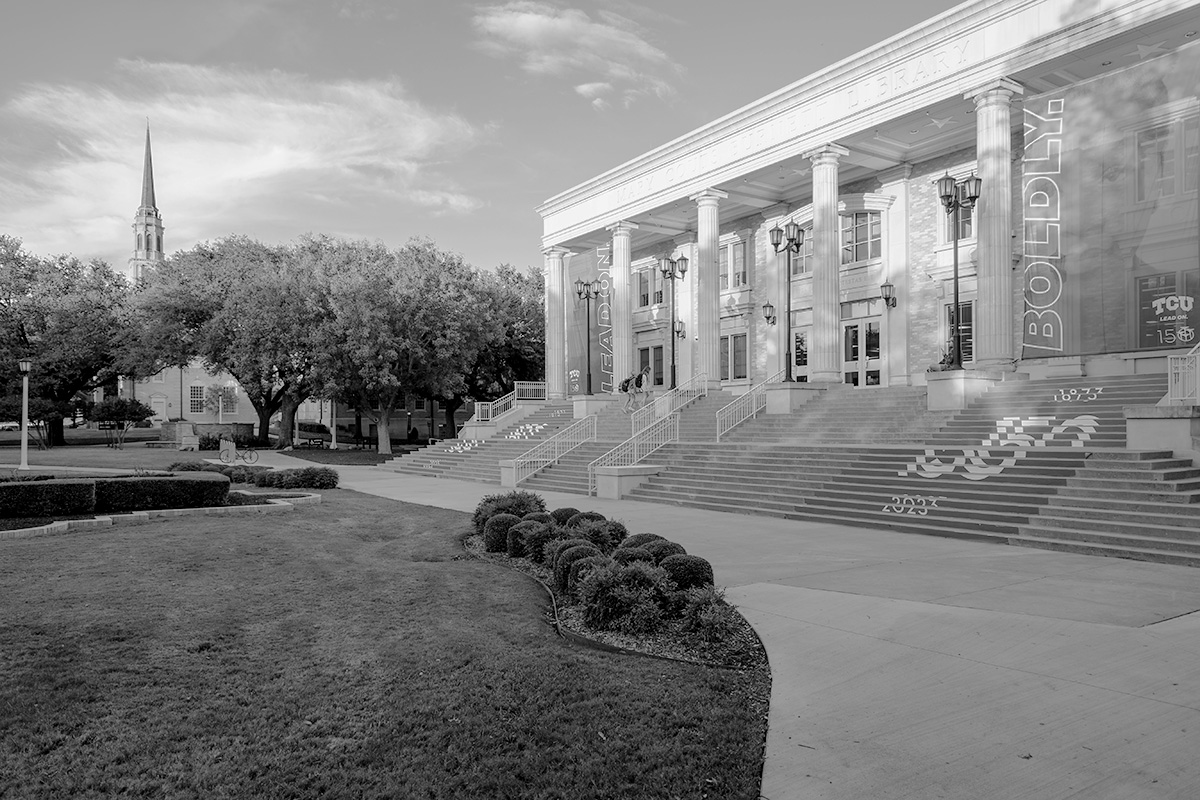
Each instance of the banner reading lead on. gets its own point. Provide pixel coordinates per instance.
(594, 264)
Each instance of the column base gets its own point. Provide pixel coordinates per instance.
(1173, 428)
(787, 398)
(955, 389)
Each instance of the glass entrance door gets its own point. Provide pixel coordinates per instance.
(860, 352)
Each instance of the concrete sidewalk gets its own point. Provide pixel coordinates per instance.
(909, 666)
(919, 667)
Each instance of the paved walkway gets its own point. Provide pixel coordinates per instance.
(918, 667)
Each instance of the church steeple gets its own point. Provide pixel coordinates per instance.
(148, 176)
(147, 223)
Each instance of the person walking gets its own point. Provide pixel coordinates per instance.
(635, 388)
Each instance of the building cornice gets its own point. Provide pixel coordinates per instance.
(986, 39)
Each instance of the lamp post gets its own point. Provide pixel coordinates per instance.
(794, 235)
(956, 196)
(586, 291)
(673, 269)
(24, 365)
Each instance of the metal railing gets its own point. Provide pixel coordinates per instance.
(746, 406)
(634, 449)
(525, 390)
(669, 403)
(551, 450)
(1183, 378)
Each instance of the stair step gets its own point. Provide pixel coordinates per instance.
(1091, 549)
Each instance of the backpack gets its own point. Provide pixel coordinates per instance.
(637, 382)
(624, 387)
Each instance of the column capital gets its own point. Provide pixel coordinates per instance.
(1000, 90)
(711, 196)
(556, 252)
(622, 228)
(827, 154)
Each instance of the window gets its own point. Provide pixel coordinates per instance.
(801, 263)
(966, 329)
(732, 265)
(966, 224)
(229, 401)
(734, 357)
(861, 239)
(196, 399)
(643, 288)
(157, 377)
(1168, 158)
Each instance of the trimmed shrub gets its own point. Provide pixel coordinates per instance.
(518, 503)
(495, 532)
(568, 556)
(539, 516)
(706, 614)
(624, 555)
(189, 466)
(52, 498)
(642, 539)
(551, 550)
(563, 515)
(515, 539)
(302, 478)
(605, 534)
(688, 571)
(149, 493)
(536, 541)
(662, 549)
(580, 569)
(584, 516)
(630, 598)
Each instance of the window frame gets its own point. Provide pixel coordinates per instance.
(196, 398)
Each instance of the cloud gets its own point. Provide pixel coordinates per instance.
(231, 147)
(608, 54)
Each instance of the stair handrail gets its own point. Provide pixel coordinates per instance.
(662, 407)
(550, 450)
(1183, 378)
(523, 390)
(629, 452)
(746, 406)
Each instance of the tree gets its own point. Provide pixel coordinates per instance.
(120, 414)
(239, 306)
(396, 323)
(512, 343)
(69, 316)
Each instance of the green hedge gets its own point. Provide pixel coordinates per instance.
(50, 498)
(200, 490)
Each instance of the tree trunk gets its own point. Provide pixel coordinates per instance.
(383, 431)
(451, 407)
(287, 422)
(264, 424)
(54, 433)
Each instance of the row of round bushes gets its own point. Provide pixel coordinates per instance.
(265, 477)
(632, 584)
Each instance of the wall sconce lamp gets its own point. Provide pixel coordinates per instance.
(888, 292)
(769, 313)
(679, 332)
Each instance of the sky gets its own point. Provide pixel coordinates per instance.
(375, 119)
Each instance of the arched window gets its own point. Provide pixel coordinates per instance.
(139, 247)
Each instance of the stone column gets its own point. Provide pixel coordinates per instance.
(898, 321)
(824, 355)
(685, 245)
(708, 313)
(621, 301)
(772, 284)
(993, 221)
(556, 323)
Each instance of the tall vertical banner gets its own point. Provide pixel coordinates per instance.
(1111, 168)
(587, 266)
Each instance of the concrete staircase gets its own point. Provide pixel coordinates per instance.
(847, 415)
(1132, 504)
(479, 459)
(1029, 462)
(697, 423)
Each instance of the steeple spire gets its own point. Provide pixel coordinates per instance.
(148, 175)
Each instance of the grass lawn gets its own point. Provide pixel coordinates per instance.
(348, 649)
